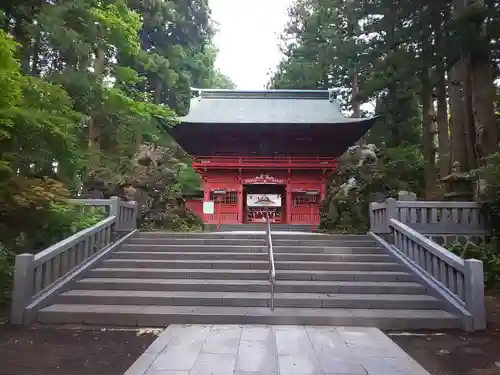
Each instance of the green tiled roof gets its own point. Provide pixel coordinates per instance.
(265, 107)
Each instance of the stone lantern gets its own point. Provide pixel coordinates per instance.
(460, 186)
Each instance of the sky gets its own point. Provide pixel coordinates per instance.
(248, 38)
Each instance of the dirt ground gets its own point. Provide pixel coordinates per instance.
(65, 351)
(44, 350)
(457, 352)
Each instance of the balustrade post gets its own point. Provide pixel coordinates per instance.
(373, 224)
(134, 215)
(23, 286)
(114, 210)
(390, 213)
(474, 292)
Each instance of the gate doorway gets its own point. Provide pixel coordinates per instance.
(257, 199)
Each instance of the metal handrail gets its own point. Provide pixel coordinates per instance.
(272, 269)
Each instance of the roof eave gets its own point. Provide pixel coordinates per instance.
(344, 121)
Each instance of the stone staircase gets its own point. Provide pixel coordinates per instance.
(259, 227)
(156, 279)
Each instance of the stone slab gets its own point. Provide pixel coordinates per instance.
(273, 350)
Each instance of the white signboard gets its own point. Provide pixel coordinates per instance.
(208, 207)
(264, 200)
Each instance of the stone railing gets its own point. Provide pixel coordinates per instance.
(402, 227)
(38, 277)
(428, 217)
(126, 214)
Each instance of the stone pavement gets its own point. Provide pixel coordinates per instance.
(273, 350)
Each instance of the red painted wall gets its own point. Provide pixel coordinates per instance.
(195, 206)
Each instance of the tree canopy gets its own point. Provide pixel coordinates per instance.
(427, 68)
(85, 85)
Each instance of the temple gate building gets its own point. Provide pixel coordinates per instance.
(273, 148)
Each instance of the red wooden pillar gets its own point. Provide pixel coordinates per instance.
(206, 198)
(288, 202)
(241, 214)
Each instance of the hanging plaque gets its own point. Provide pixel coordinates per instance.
(264, 200)
(264, 179)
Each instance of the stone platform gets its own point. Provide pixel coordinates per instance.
(273, 350)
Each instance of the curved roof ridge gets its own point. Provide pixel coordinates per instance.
(263, 94)
(265, 106)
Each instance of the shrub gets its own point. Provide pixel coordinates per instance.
(35, 214)
(58, 222)
(488, 254)
(489, 198)
(6, 273)
(397, 169)
(63, 220)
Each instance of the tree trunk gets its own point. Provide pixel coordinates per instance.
(462, 139)
(22, 36)
(483, 97)
(443, 126)
(428, 136)
(457, 112)
(158, 91)
(94, 124)
(356, 105)
(35, 71)
(442, 105)
(469, 133)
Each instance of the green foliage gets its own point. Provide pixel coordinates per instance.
(124, 68)
(397, 169)
(168, 212)
(489, 198)
(403, 169)
(6, 274)
(35, 214)
(189, 179)
(60, 220)
(120, 68)
(37, 128)
(488, 254)
(63, 220)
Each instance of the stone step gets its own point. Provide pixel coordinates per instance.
(196, 242)
(260, 265)
(338, 257)
(199, 274)
(282, 286)
(194, 235)
(297, 228)
(318, 275)
(161, 316)
(337, 266)
(223, 247)
(258, 235)
(209, 274)
(251, 256)
(263, 256)
(324, 242)
(258, 299)
(321, 241)
(183, 264)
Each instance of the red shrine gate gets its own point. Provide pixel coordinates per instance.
(261, 148)
(290, 189)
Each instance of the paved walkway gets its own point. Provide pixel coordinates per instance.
(273, 350)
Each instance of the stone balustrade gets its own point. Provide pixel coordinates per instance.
(38, 276)
(407, 228)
